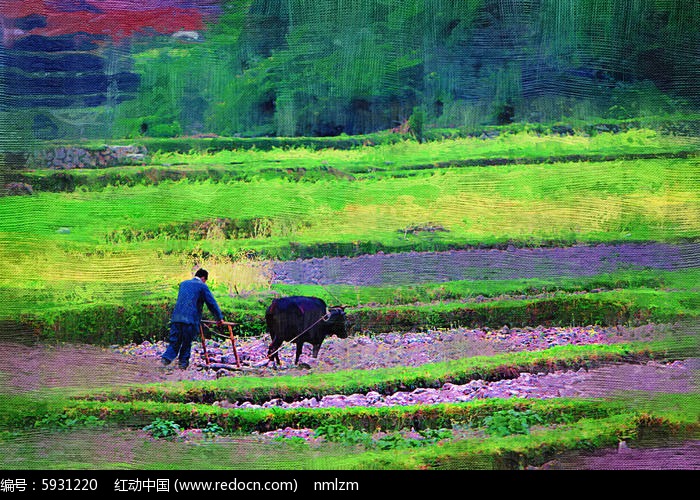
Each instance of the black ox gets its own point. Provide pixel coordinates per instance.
(302, 319)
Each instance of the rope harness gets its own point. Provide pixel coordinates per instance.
(214, 332)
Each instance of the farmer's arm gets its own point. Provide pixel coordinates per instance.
(212, 305)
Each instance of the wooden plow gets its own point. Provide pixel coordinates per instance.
(209, 364)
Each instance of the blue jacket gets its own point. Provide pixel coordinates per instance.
(191, 298)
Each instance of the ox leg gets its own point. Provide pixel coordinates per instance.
(316, 348)
(300, 346)
(275, 358)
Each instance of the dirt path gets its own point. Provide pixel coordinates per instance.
(29, 368)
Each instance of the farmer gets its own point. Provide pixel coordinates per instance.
(184, 322)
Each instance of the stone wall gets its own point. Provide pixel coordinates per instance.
(66, 158)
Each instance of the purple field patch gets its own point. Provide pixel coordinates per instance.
(514, 263)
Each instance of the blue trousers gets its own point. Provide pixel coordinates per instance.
(180, 343)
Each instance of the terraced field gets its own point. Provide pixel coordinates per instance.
(509, 304)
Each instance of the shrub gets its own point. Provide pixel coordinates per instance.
(396, 441)
(432, 435)
(338, 433)
(504, 113)
(416, 123)
(213, 429)
(63, 422)
(506, 422)
(161, 428)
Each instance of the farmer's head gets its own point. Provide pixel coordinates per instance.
(202, 274)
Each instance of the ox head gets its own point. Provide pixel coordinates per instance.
(337, 322)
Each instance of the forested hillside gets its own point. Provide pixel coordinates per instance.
(320, 68)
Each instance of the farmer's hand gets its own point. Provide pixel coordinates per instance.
(220, 322)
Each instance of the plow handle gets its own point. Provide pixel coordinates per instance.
(233, 343)
(230, 332)
(204, 344)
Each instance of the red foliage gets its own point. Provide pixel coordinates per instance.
(117, 23)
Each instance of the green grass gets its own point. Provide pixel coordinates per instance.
(610, 201)
(166, 416)
(382, 309)
(604, 202)
(60, 241)
(55, 292)
(569, 425)
(564, 202)
(511, 452)
(408, 154)
(128, 449)
(120, 312)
